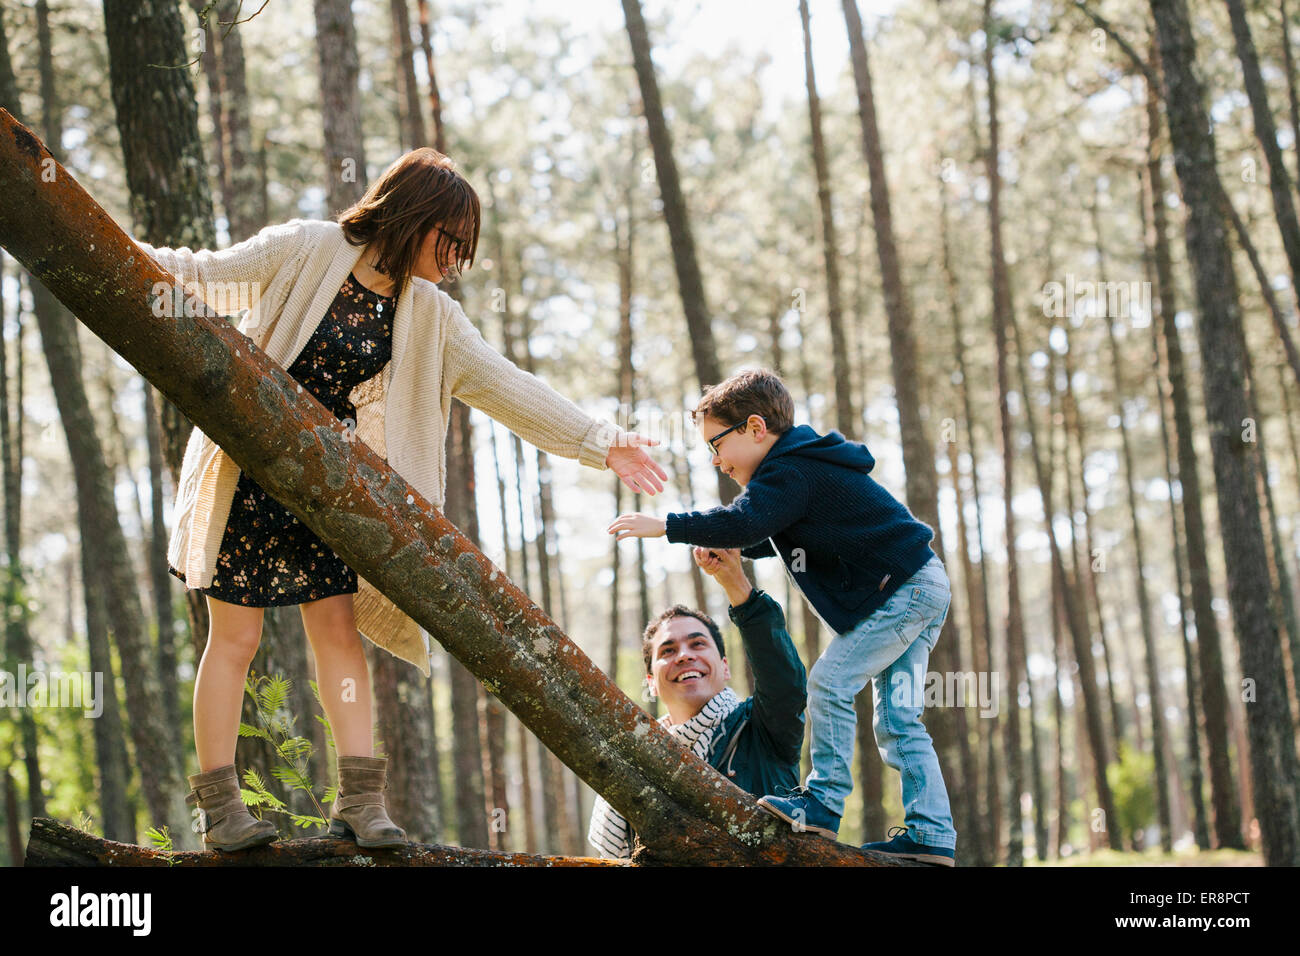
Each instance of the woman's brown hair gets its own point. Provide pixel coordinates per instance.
(421, 191)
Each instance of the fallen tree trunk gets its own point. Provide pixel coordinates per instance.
(56, 844)
(683, 810)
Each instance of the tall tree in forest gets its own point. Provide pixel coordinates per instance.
(946, 725)
(406, 721)
(1227, 813)
(345, 152)
(282, 650)
(18, 639)
(1280, 583)
(1075, 618)
(1279, 180)
(412, 117)
(1156, 704)
(157, 122)
(471, 821)
(1200, 823)
(846, 419)
(110, 574)
(1015, 620)
(689, 281)
(977, 586)
(1272, 741)
(223, 65)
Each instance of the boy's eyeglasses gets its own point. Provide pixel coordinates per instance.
(713, 442)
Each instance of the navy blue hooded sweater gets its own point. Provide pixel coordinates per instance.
(846, 541)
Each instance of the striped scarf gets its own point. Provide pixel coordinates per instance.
(609, 832)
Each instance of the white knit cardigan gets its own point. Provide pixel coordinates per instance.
(402, 413)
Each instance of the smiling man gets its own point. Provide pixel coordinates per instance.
(755, 742)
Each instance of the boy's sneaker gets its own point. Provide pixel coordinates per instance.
(904, 847)
(803, 812)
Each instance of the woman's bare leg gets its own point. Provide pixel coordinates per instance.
(341, 673)
(234, 632)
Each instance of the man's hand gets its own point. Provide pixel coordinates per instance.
(723, 565)
(637, 525)
(633, 464)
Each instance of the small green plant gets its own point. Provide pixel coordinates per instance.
(85, 823)
(270, 694)
(162, 841)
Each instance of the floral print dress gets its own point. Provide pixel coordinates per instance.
(268, 557)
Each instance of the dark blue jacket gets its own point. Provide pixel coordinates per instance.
(757, 748)
(846, 541)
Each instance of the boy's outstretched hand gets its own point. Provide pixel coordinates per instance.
(637, 525)
(634, 466)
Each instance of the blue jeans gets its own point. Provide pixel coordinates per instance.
(890, 648)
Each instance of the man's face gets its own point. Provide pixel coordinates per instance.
(739, 452)
(686, 669)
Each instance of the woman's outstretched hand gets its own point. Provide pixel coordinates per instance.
(634, 466)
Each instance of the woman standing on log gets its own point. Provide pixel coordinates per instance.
(351, 309)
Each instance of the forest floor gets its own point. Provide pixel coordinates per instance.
(1190, 857)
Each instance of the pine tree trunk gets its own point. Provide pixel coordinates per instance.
(1280, 575)
(156, 552)
(1076, 622)
(18, 641)
(1288, 61)
(345, 153)
(846, 420)
(1063, 794)
(947, 725)
(111, 574)
(1279, 180)
(1015, 621)
(1214, 693)
(1272, 739)
(157, 122)
(1156, 699)
(408, 93)
(243, 209)
(1086, 592)
(467, 746)
(977, 589)
(690, 284)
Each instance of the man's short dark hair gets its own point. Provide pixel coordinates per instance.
(679, 610)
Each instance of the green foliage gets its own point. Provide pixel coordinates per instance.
(162, 841)
(86, 823)
(1132, 783)
(270, 695)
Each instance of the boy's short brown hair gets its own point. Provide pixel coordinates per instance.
(752, 392)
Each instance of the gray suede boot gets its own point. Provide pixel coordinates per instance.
(223, 819)
(358, 812)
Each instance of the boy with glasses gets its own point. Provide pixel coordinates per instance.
(865, 565)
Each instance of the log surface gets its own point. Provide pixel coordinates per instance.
(54, 844)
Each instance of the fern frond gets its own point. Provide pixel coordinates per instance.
(248, 730)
